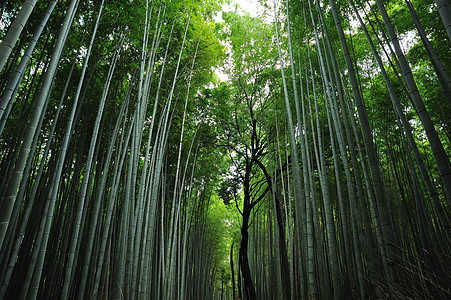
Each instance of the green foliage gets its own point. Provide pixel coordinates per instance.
(221, 232)
(252, 45)
(222, 126)
(228, 190)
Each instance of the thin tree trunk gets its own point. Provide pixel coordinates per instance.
(16, 78)
(439, 68)
(11, 192)
(397, 108)
(15, 30)
(382, 204)
(440, 155)
(444, 9)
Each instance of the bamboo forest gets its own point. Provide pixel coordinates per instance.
(225, 149)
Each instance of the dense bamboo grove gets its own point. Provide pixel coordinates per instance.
(320, 169)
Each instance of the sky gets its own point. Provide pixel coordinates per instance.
(250, 6)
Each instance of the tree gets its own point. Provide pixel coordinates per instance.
(319, 169)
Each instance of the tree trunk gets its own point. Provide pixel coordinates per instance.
(15, 30)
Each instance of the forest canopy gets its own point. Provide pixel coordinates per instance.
(154, 149)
